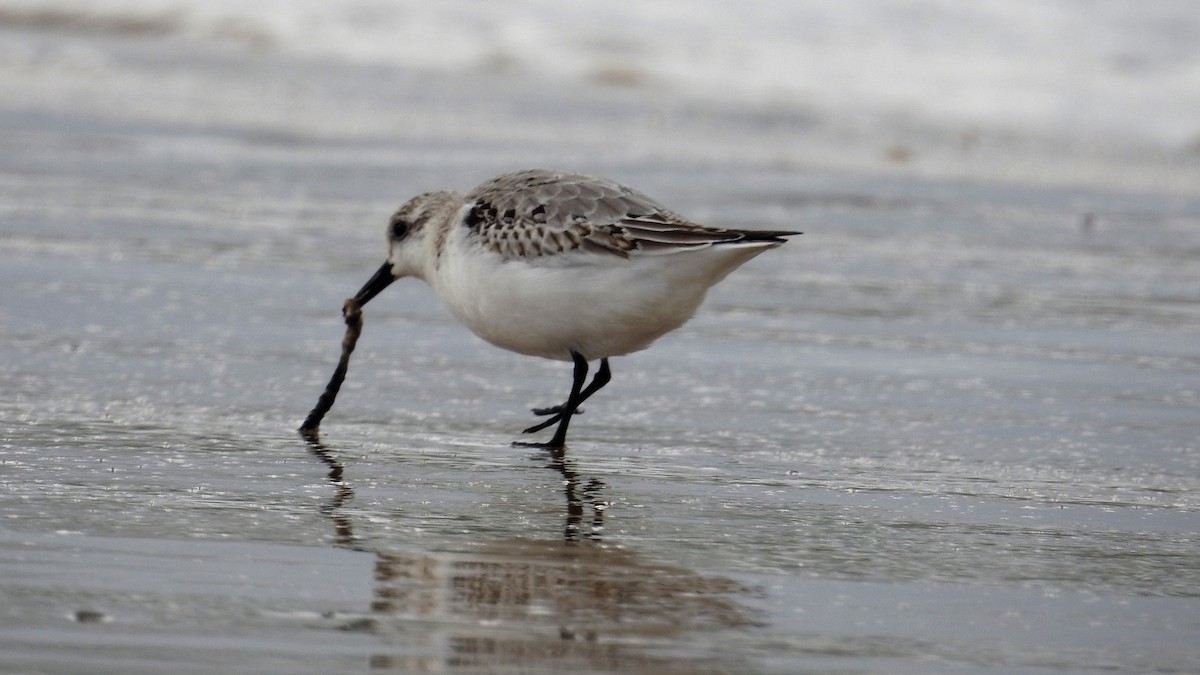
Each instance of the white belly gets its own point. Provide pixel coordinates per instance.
(607, 308)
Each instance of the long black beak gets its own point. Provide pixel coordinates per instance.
(382, 279)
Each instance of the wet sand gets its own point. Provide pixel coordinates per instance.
(952, 428)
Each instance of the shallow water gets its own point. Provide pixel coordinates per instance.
(952, 428)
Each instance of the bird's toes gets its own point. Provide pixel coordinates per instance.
(544, 446)
(556, 410)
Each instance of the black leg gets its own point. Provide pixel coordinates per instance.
(568, 409)
(601, 378)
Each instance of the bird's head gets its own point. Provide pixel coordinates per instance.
(410, 240)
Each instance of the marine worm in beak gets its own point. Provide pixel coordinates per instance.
(352, 312)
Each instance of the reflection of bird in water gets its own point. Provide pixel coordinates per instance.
(577, 497)
(525, 602)
(569, 605)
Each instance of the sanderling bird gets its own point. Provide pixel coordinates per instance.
(562, 266)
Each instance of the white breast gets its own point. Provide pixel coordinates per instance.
(596, 305)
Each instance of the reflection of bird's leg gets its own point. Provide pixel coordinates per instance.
(592, 494)
(576, 499)
(574, 503)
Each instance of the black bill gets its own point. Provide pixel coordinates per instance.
(382, 279)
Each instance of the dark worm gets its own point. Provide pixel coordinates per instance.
(352, 312)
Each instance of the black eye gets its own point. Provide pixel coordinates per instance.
(399, 228)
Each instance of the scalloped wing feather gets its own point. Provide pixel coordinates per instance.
(528, 214)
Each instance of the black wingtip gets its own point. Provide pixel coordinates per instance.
(773, 236)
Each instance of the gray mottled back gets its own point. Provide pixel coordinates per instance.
(533, 213)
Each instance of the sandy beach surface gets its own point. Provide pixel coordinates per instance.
(953, 428)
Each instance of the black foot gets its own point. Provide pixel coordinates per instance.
(556, 417)
(562, 414)
(541, 446)
(542, 412)
(543, 424)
